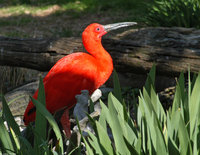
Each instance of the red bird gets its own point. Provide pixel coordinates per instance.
(77, 71)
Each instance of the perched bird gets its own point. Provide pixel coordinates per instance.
(77, 71)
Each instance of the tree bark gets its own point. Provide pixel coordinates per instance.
(172, 50)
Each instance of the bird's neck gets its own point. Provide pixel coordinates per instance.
(103, 58)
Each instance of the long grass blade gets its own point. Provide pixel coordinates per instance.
(40, 122)
(16, 140)
(185, 145)
(117, 88)
(5, 139)
(9, 117)
(194, 105)
(150, 82)
(104, 139)
(42, 109)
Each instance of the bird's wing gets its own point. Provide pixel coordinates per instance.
(81, 64)
(67, 78)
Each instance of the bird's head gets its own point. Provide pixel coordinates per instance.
(95, 31)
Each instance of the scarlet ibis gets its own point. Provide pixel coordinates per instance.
(77, 71)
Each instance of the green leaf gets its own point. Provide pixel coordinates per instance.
(130, 147)
(26, 147)
(127, 131)
(172, 147)
(150, 82)
(185, 146)
(160, 142)
(91, 107)
(95, 144)
(17, 143)
(138, 144)
(113, 121)
(195, 140)
(194, 105)
(102, 118)
(117, 89)
(182, 86)
(5, 139)
(172, 126)
(157, 137)
(186, 101)
(40, 122)
(124, 123)
(180, 94)
(42, 109)
(116, 105)
(146, 105)
(104, 139)
(193, 81)
(9, 117)
(172, 130)
(154, 134)
(158, 108)
(120, 128)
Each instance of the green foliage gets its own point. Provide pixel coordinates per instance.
(154, 131)
(183, 13)
(12, 140)
(40, 123)
(175, 131)
(117, 88)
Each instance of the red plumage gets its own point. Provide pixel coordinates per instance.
(75, 72)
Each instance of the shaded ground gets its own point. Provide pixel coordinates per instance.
(47, 21)
(55, 21)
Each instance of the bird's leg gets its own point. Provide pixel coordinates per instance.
(66, 123)
(80, 111)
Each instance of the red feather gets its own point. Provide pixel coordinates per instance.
(75, 72)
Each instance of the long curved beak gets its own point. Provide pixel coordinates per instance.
(115, 26)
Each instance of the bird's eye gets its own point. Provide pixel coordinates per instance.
(98, 29)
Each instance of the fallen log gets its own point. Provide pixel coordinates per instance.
(172, 49)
